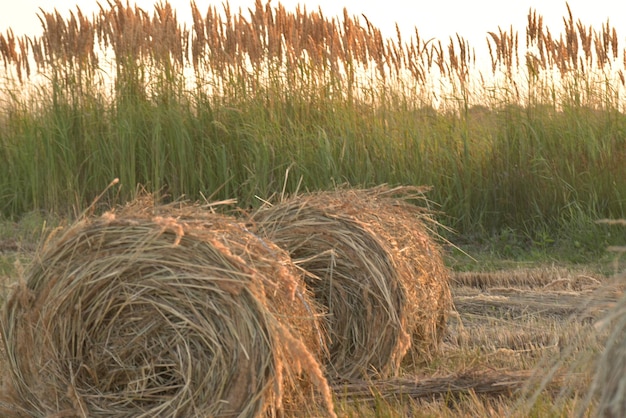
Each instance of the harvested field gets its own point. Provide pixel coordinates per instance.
(532, 330)
(495, 362)
(519, 342)
(149, 313)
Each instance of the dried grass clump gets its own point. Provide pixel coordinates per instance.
(169, 312)
(373, 265)
(608, 389)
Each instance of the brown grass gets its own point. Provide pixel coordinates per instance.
(373, 265)
(608, 390)
(168, 311)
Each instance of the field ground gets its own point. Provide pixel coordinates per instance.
(516, 327)
(521, 342)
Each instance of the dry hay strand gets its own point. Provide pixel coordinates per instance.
(171, 312)
(587, 357)
(488, 382)
(608, 390)
(528, 278)
(373, 265)
(518, 303)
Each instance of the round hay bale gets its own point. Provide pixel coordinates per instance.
(373, 265)
(409, 230)
(171, 313)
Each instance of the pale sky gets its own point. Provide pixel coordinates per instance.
(438, 19)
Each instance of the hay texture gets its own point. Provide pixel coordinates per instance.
(608, 389)
(374, 265)
(170, 312)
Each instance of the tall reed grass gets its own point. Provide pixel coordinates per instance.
(243, 103)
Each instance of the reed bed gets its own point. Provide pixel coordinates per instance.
(230, 102)
(306, 46)
(161, 311)
(373, 265)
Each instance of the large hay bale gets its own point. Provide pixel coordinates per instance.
(171, 313)
(374, 265)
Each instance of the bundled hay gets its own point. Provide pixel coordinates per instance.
(374, 266)
(174, 314)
